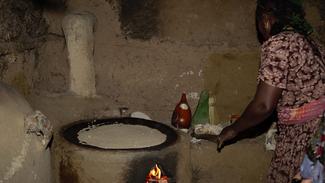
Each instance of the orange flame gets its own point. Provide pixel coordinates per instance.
(155, 176)
(155, 172)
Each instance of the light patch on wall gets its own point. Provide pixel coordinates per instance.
(176, 86)
(188, 73)
(35, 176)
(200, 73)
(193, 95)
(11, 58)
(231, 78)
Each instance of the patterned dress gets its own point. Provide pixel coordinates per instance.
(289, 61)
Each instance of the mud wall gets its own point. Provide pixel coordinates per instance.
(22, 30)
(146, 52)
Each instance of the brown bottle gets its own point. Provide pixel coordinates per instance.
(182, 115)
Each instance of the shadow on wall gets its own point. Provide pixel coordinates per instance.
(139, 19)
(322, 14)
(322, 9)
(57, 5)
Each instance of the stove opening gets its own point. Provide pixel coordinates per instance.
(156, 175)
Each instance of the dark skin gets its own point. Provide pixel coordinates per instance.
(262, 105)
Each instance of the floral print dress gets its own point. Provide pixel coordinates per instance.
(290, 61)
(312, 166)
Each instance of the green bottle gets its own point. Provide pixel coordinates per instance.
(201, 114)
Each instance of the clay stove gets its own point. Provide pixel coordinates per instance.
(124, 164)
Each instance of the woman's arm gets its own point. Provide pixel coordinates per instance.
(261, 107)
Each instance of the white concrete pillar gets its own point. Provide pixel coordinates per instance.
(79, 33)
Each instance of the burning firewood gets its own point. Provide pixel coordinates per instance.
(156, 176)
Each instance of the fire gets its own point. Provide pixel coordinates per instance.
(155, 173)
(155, 176)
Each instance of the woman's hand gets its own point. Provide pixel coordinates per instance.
(226, 134)
(263, 104)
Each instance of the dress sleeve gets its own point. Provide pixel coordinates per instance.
(274, 62)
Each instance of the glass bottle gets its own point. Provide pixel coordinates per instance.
(182, 115)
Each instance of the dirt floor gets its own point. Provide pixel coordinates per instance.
(246, 161)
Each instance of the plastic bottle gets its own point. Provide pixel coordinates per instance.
(182, 115)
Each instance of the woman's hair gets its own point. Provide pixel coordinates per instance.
(289, 14)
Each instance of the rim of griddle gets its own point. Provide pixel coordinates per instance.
(70, 132)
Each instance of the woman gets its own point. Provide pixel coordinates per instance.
(291, 80)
